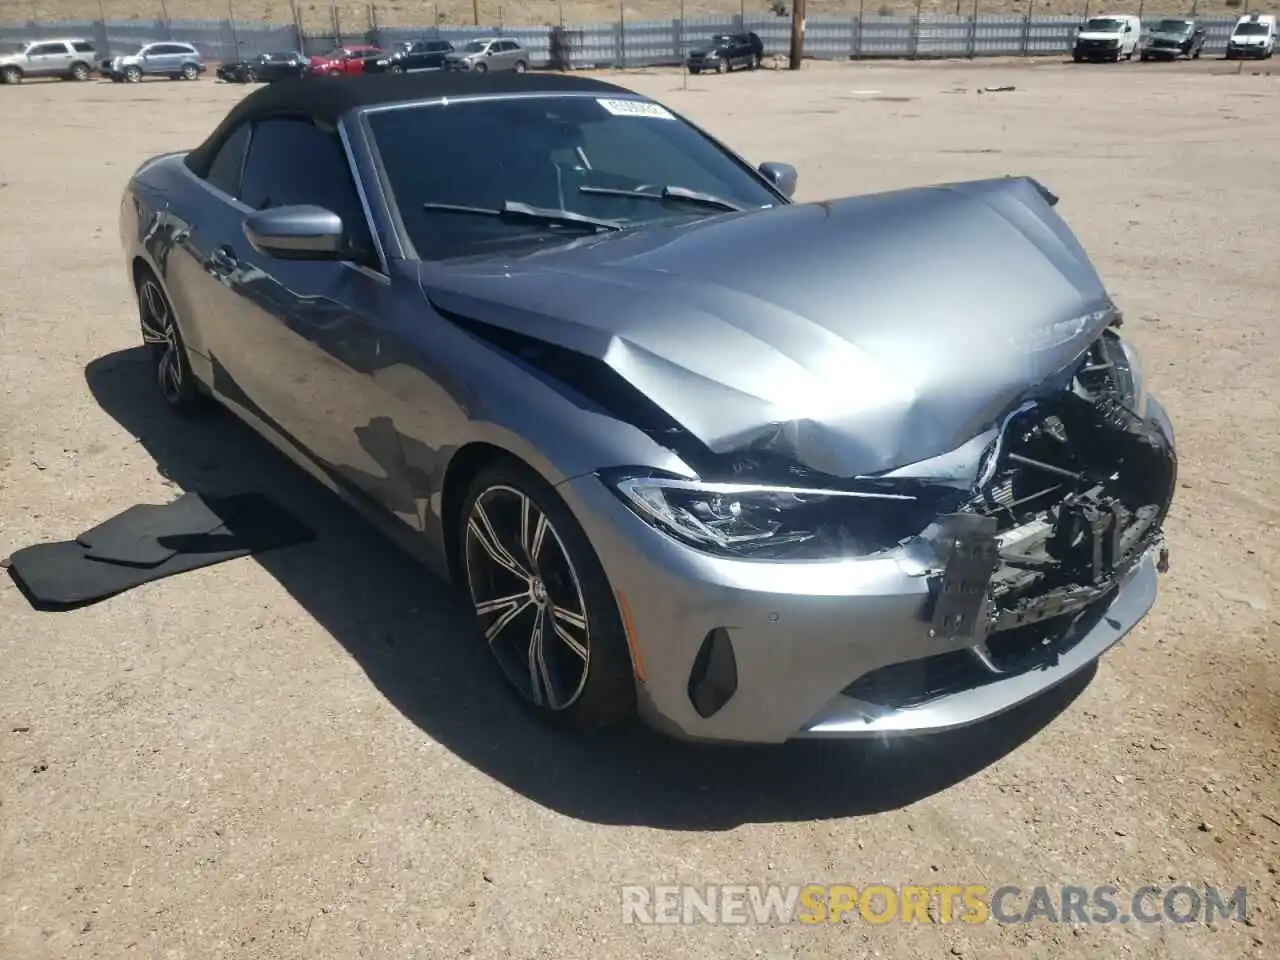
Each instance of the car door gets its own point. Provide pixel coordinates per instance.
(156, 59)
(47, 59)
(437, 50)
(299, 340)
(737, 50)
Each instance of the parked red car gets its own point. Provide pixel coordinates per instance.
(342, 61)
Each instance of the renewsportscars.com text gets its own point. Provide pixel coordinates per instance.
(939, 903)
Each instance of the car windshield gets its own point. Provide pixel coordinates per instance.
(1104, 25)
(1173, 26)
(1251, 29)
(627, 162)
(475, 46)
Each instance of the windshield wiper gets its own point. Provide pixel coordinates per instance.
(668, 193)
(513, 210)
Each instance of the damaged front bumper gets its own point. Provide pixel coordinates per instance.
(768, 650)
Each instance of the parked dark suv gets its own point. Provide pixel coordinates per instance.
(1170, 39)
(726, 51)
(410, 56)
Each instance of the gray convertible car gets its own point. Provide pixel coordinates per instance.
(751, 469)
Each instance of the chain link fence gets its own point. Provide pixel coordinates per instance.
(599, 33)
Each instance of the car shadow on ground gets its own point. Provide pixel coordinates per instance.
(414, 642)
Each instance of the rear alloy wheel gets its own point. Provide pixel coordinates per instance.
(166, 348)
(11, 75)
(189, 71)
(542, 601)
(80, 72)
(396, 69)
(132, 75)
(250, 76)
(520, 67)
(482, 68)
(722, 66)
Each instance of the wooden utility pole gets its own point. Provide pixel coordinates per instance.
(797, 33)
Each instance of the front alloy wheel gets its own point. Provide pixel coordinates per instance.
(132, 75)
(164, 345)
(542, 601)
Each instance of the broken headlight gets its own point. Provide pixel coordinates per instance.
(765, 521)
(1137, 381)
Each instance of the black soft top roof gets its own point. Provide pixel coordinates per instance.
(326, 99)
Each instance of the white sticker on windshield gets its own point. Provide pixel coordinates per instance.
(636, 108)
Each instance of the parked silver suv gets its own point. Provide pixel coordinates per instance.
(70, 59)
(165, 58)
(489, 54)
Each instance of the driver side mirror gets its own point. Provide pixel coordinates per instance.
(783, 176)
(297, 233)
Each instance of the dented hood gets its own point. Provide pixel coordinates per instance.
(854, 335)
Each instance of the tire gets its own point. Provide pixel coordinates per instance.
(520, 66)
(482, 68)
(722, 66)
(250, 76)
(131, 75)
(754, 63)
(510, 521)
(190, 71)
(80, 72)
(11, 75)
(695, 71)
(166, 348)
(396, 69)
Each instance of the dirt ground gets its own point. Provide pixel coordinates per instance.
(306, 755)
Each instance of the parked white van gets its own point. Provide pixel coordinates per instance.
(1111, 36)
(1254, 36)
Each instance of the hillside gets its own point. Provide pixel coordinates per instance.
(354, 14)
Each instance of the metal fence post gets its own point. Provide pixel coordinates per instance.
(622, 34)
(857, 32)
(1026, 32)
(915, 32)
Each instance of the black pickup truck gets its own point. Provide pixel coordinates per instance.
(725, 52)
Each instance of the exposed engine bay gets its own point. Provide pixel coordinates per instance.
(1068, 494)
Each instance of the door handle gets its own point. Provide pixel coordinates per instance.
(222, 262)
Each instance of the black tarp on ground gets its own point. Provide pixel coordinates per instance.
(149, 542)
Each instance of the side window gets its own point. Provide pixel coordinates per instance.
(81, 46)
(273, 176)
(48, 49)
(224, 172)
